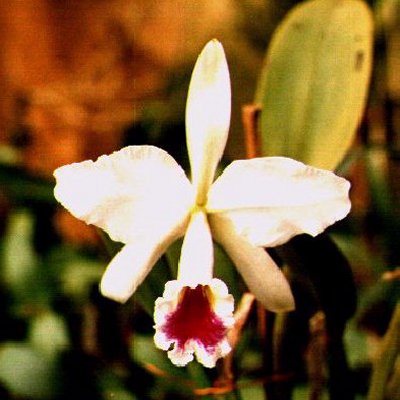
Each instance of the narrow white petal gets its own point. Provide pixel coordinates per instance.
(130, 194)
(207, 115)
(263, 277)
(197, 258)
(269, 200)
(130, 266)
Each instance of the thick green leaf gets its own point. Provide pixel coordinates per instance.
(315, 80)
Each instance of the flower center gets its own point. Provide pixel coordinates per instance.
(194, 319)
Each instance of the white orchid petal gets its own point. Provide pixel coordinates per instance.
(269, 200)
(134, 192)
(207, 115)
(263, 277)
(130, 266)
(197, 258)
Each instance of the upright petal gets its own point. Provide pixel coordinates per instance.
(207, 116)
(130, 266)
(262, 276)
(132, 193)
(269, 200)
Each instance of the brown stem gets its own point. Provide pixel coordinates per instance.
(241, 316)
(386, 358)
(316, 355)
(250, 113)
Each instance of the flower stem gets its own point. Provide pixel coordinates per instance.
(250, 114)
(384, 363)
(316, 355)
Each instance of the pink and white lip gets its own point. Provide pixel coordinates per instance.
(194, 321)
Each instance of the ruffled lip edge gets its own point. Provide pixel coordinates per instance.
(222, 305)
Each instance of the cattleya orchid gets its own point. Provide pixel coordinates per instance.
(141, 197)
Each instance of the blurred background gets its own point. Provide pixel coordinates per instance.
(82, 78)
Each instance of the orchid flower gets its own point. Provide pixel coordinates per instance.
(141, 197)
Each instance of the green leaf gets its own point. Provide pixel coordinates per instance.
(144, 352)
(20, 264)
(315, 80)
(153, 286)
(48, 334)
(21, 187)
(26, 372)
